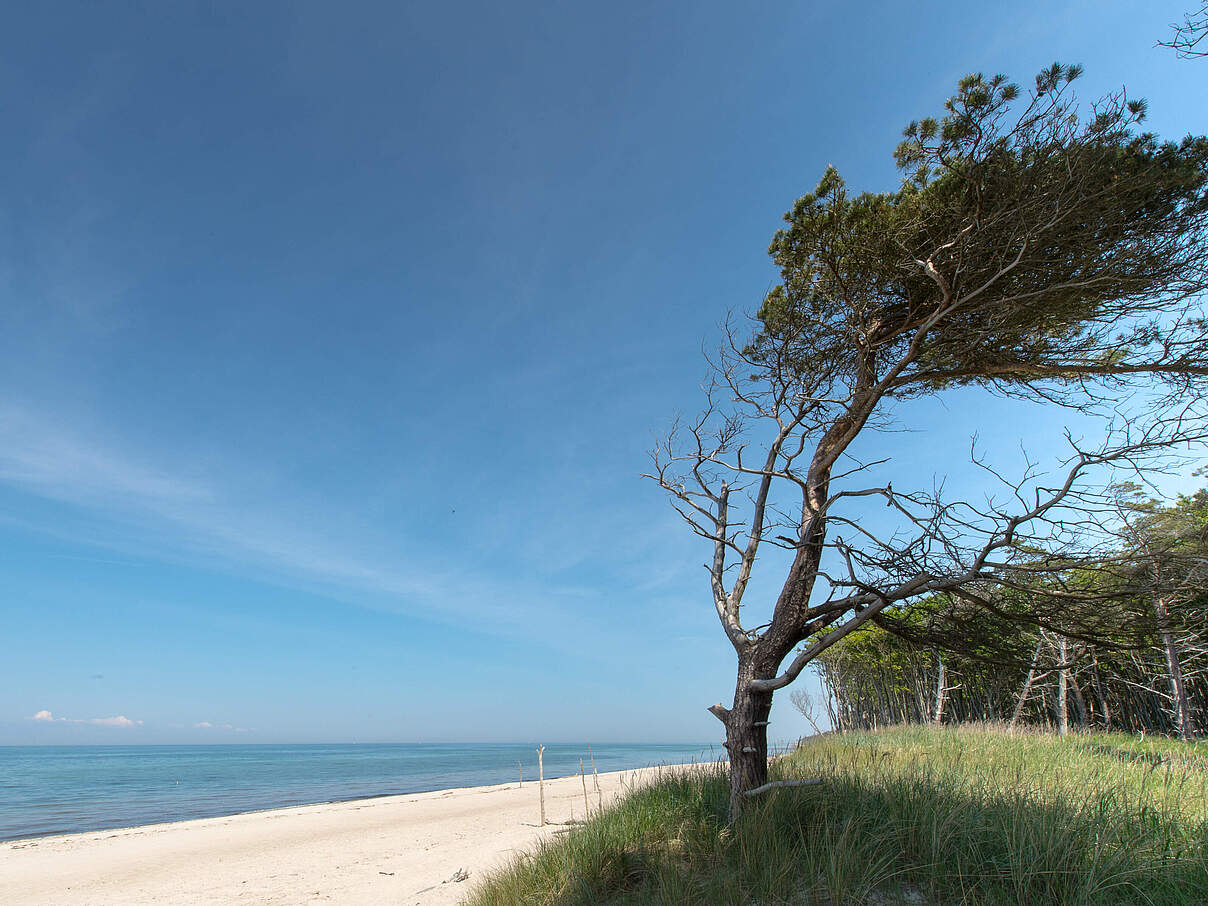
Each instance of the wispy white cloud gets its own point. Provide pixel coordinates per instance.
(119, 721)
(50, 460)
(189, 516)
(46, 458)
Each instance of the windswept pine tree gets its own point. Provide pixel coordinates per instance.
(1034, 249)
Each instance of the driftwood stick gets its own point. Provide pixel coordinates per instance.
(776, 784)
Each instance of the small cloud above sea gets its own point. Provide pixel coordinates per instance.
(119, 720)
(210, 725)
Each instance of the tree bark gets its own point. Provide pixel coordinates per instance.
(746, 734)
(1079, 703)
(920, 695)
(1027, 686)
(1097, 682)
(1184, 723)
(1063, 711)
(941, 691)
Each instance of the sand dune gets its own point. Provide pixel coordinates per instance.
(392, 850)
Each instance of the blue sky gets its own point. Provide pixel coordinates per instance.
(333, 337)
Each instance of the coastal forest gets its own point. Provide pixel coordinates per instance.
(1148, 677)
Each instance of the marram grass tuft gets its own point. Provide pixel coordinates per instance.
(911, 815)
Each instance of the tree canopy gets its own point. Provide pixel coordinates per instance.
(1025, 249)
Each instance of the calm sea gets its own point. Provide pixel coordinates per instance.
(66, 789)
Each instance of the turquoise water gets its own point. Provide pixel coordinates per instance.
(66, 789)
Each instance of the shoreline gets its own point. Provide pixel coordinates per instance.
(403, 848)
(118, 828)
(77, 789)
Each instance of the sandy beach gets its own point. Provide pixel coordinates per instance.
(403, 850)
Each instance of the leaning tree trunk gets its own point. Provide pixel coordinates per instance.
(920, 695)
(1027, 686)
(746, 735)
(1100, 696)
(941, 691)
(1079, 703)
(1174, 671)
(1063, 711)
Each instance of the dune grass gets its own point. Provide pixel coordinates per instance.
(910, 815)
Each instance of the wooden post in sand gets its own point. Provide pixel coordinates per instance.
(541, 782)
(595, 779)
(521, 766)
(583, 777)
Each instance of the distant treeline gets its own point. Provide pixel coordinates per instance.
(1142, 666)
